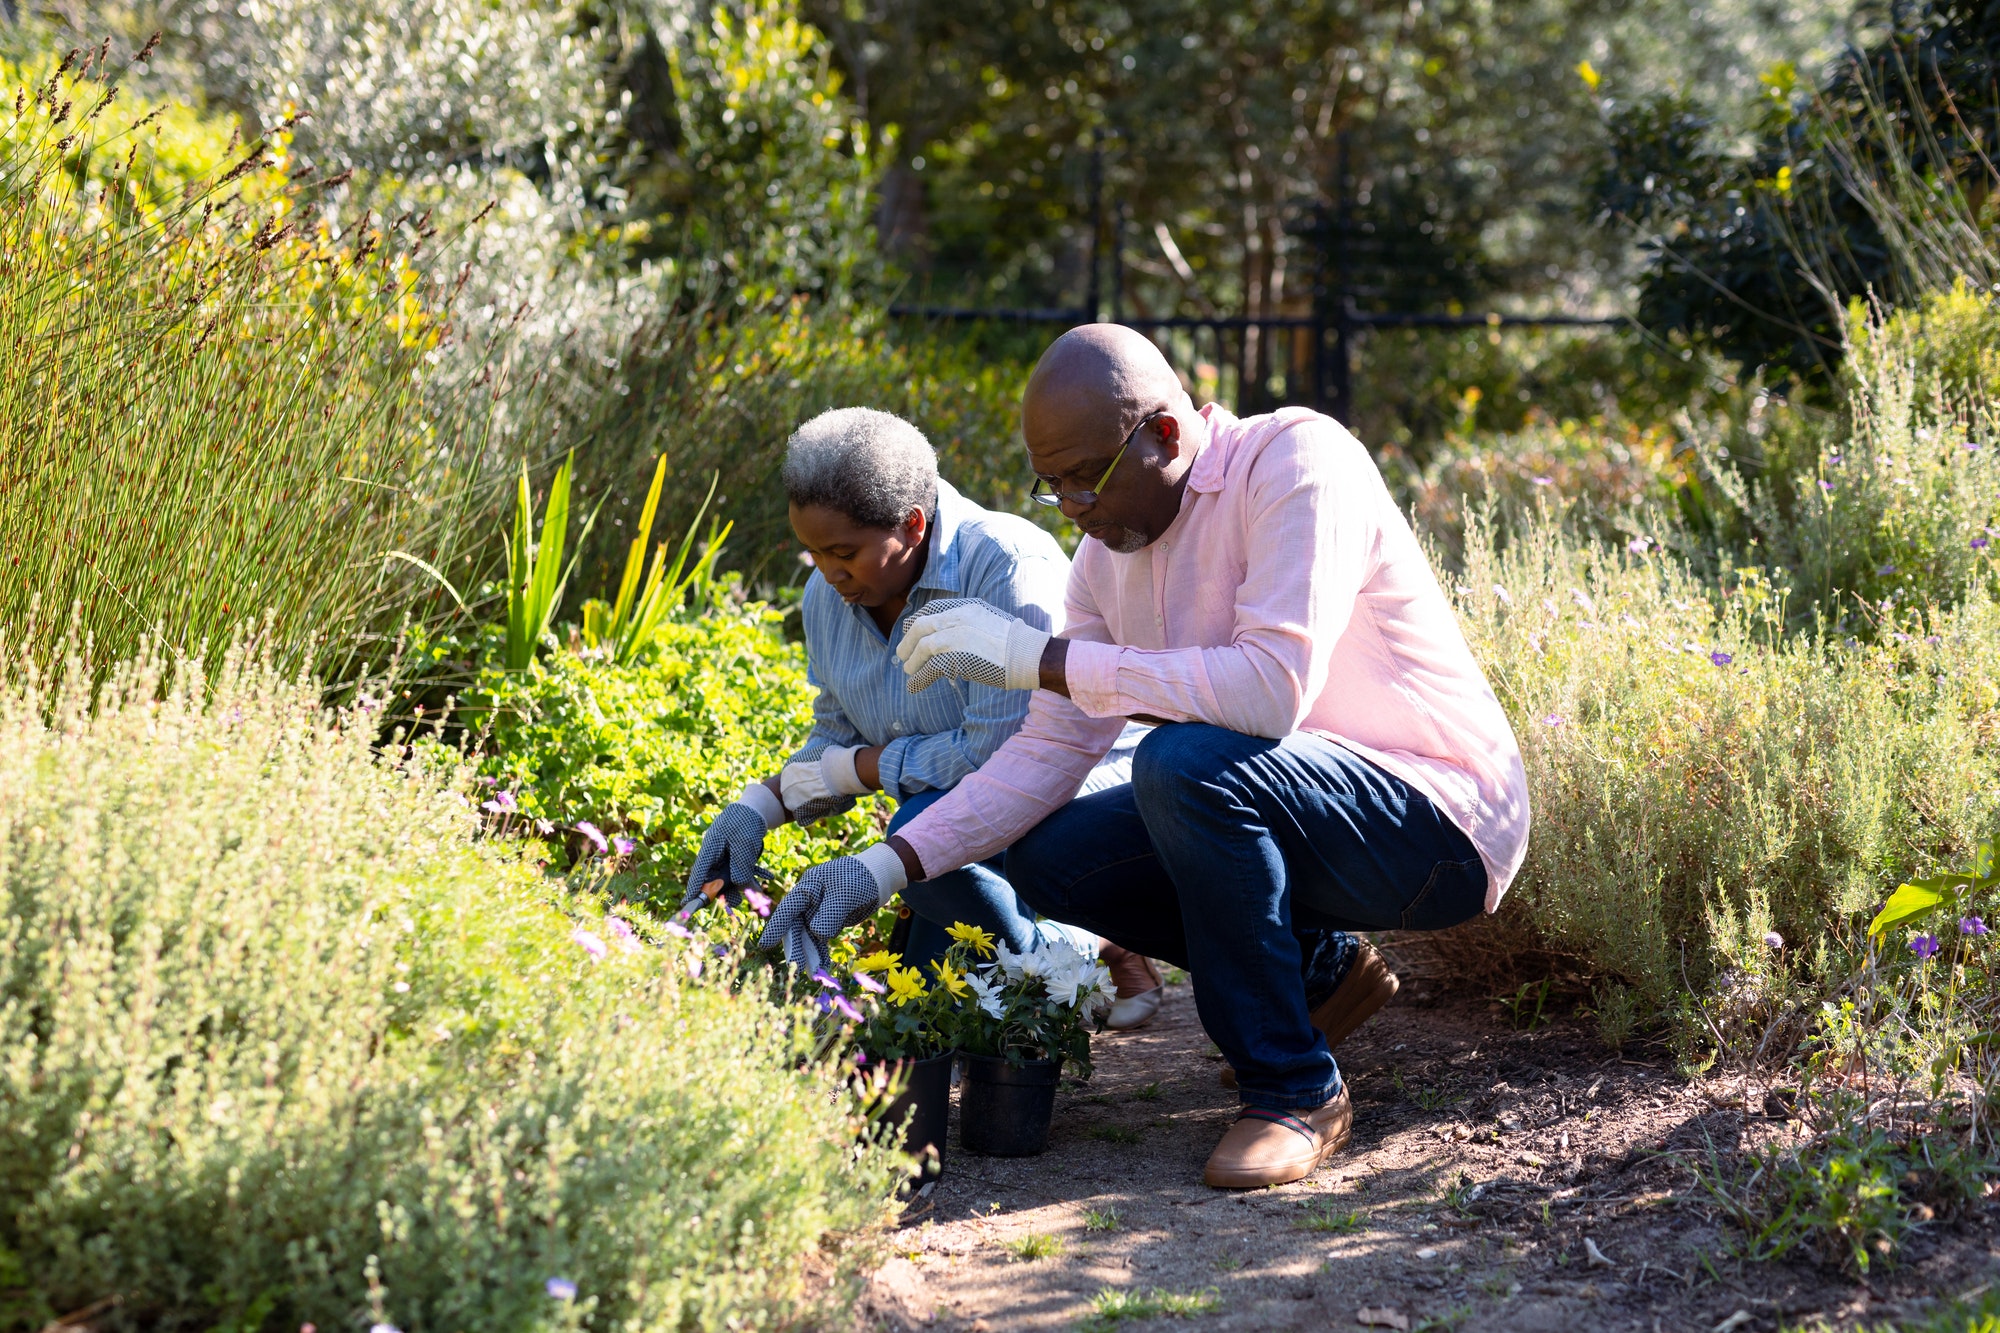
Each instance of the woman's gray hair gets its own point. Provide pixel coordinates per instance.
(874, 467)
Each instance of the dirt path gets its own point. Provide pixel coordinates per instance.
(1483, 1161)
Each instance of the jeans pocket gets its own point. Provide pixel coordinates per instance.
(1455, 892)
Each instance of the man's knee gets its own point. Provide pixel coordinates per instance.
(1183, 761)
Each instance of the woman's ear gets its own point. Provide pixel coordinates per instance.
(916, 525)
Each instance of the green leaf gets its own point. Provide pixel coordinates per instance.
(1914, 900)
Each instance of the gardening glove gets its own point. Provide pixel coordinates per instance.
(972, 640)
(832, 896)
(733, 845)
(816, 788)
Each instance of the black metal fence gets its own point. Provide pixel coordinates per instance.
(1260, 362)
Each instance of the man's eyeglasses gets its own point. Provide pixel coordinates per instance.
(1045, 491)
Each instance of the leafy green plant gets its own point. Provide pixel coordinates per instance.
(1837, 1200)
(1122, 1134)
(628, 624)
(536, 574)
(1112, 1306)
(1326, 1217)
(1527, 1007)
(1038, 1006)
(653, 749)
(1102, 1219)
(1035, 1245)
(252, 959)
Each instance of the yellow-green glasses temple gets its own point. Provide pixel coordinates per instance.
(1085, 499)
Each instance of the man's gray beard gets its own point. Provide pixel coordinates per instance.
(1129, 544)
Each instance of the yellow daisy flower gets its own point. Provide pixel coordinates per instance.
(905, 984)
(879, 961)
(981, 942)
(951, 978)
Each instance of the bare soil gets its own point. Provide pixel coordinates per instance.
(1487, 1165)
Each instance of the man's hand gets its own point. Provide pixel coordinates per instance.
(733, 845)
(816, 788)
(971, 640)
(832, 896)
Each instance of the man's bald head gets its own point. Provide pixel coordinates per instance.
(1104, 412)
(1103, 378)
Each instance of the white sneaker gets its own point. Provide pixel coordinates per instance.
(1140, 986)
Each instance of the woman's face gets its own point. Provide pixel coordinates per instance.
(870, 567)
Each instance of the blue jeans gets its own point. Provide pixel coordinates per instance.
(1223, 848)
(978, 895)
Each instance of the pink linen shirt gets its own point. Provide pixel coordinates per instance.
(1289, 594)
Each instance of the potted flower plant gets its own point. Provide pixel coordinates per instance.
(1030, 1018)
(903, 1052)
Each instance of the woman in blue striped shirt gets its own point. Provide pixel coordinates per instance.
(887, 536)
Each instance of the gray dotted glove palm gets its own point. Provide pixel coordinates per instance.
(971, 640)
(732, 847)
(832, 896)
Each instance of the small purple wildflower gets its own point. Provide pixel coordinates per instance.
(1971, 925)
(623, 846)
(825, 980)
(1980, 543)
(860, 1059)
(503, 803)
(1773, 940)
(677, 930)
(589, 942)
(1543, 481)
(1720, 658)
(622, 934)
(595, 834)
(760, 903)
(383, 1328)
(1885, 571)
(1834, 460)
(1639, 545)
(1925, 946)
(561, 1288)
(1933, 640)
(868, 983)
(846, 1007)
(1553, 720)
(1825, 485)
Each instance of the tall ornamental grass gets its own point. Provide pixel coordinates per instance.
(215, 407)
(283, 1041)
(1699, 780)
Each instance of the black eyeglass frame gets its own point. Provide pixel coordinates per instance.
(1085, 499)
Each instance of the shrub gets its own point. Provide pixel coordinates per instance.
(214, 409)
(1699, 780)
(655, 749)
(288, 1043)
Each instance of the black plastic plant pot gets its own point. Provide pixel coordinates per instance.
(928, 1094)
(1004, 1110)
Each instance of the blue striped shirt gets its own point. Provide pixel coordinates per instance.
(936, 736)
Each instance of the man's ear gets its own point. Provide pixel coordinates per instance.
(1169, 428)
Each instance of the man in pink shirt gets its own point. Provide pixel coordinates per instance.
(1329, 757)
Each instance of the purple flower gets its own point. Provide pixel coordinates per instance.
(1933, 640)
(383, 1328)
(1543, 481)
(589, 942)
(846, 1007)
(860, 1059)
(1925, 946)
(677, 930)
(1825, 485)
(760, 903)
(1980, 543)
(1885, 571)
(1773, 940)
(825, 981)
(622, 934)
(561, 1288)
(1553, 720)
(592, 832)
(1971, 925)
(1639, 545)
(1720, 658)
(869, 984)
(623, 846)
(502, 803)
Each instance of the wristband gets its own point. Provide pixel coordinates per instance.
(759, 798)
(887, 868)
(836, 766)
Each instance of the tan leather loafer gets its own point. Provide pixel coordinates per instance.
(1368, 985)
(1274, 1147)
(1140, 986)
